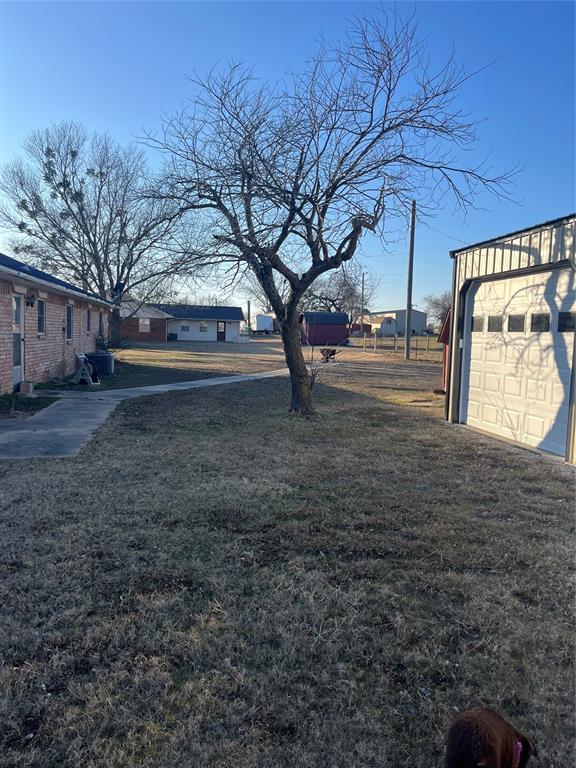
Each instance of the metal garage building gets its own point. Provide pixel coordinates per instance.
(513, 337)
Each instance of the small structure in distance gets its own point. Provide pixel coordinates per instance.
(392, 322)
(323, 328)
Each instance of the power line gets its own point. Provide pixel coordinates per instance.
(444, 234)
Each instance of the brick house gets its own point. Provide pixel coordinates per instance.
(44, 321)
(179, 322)
(141, 322)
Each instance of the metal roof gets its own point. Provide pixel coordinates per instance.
(194, 312)
(37, 275)
(326, 318)
(551, 223)
(132, 308)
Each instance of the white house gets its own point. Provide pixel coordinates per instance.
(392, 322)
(512, 337)
(196, 323)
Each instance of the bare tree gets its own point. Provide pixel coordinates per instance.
(253, 290)
(288, 178)
(438, 306)
(76, 207)
(341, 291)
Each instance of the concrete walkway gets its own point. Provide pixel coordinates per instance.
(64, 427)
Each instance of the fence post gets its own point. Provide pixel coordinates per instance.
(364, 341)
(395, 342)
(427, 343)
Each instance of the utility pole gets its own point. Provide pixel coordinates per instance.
(362, 307)
(249, 327)
(408, 329)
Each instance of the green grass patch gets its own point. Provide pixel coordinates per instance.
(19, 404)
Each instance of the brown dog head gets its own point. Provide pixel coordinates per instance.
(481, 738)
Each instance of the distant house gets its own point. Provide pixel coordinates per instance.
(180, 322)
(140, 322)
(323, 328)
(44, 321)
(392, 322)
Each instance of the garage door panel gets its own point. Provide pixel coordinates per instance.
(475, 380)
(494, 354)
(512, 386)
(477, 353)
(492, 382)
(490, 414)
(560, 393)
(518, 383)
(537, 391)
(535, 426)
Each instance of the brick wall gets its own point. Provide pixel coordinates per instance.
(5, 337)
(49, 354)
(130, 330)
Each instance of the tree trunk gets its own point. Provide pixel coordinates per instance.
(114, 327)
(299, 377)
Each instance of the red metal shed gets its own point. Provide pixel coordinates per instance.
(323, 328)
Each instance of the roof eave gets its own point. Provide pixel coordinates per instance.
(499, 238)
(26, 278)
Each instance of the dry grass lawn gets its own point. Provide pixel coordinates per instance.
(148, 364)
(143, 365)
(213, 583)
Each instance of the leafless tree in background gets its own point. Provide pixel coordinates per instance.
(287, 179)
(76, 207)
(341, 291)
(438, 307)
(253, 290)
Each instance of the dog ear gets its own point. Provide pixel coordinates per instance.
(528, 749)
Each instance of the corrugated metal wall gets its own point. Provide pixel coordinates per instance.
(541, 245)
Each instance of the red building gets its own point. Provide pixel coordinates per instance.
(319, 328)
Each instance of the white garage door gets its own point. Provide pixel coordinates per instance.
(517, 358)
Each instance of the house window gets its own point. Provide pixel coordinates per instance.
(69, 310)
(540, 323)
(516, 323)
(185, 328)
(41, 316)
(88, 320)
(477, 324)
(144, 325)
(494, 323)
(203, 328)
(100, 324)
(567, 322)
(16, 310)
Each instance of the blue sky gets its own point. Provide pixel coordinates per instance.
(116, 66)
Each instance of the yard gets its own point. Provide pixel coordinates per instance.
(213, 583)
(147, 364)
